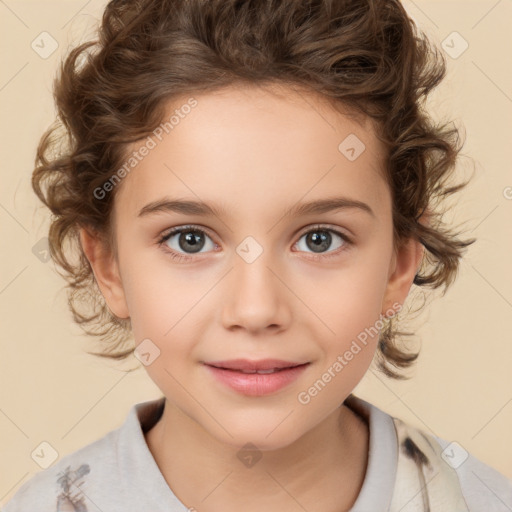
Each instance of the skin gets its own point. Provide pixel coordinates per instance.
(257, 153)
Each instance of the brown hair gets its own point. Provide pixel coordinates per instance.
(365, 55)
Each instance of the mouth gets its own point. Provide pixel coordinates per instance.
(256, 378)
(262, 366)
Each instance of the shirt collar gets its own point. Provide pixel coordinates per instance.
(379, 481)
(139, 468)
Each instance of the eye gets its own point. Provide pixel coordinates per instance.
(186, 240)
(320, 239)
(182, 242)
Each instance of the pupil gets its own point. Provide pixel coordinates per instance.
(193, 239)
(319, 242)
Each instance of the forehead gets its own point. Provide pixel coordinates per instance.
(253, 148)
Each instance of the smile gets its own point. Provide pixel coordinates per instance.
(252, 382)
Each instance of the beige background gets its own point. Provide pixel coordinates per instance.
(462, 386)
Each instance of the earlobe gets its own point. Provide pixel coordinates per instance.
(106, 272)
(404, 267)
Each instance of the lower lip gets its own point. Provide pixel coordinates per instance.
(257, 384)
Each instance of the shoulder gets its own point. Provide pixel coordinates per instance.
(445, 473)
(484, 487)
(115, 473)
(63, 485)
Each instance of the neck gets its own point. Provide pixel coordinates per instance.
(326, 466)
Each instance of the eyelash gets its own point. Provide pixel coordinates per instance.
(182, 257)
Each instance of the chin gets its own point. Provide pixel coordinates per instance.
(266, 436)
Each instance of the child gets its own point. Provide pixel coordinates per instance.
(287, 144)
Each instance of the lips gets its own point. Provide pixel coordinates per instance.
(262, 366)
(256, 378)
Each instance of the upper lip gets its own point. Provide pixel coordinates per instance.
(246, 364)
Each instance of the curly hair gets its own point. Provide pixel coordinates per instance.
(367, 56)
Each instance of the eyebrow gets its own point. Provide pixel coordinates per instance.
(189, 207)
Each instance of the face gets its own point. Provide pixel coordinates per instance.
(294, 261)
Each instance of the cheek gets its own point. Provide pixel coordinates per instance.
(350, 299)
(150, 294)
(167, 306)
(351, 305)
(357, 312)
(349, 352)
(150, 304)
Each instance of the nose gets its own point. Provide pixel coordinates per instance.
(255, 299)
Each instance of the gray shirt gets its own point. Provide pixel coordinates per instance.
(117, 473)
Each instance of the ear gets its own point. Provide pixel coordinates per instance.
(106, 272)
(404, 266)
